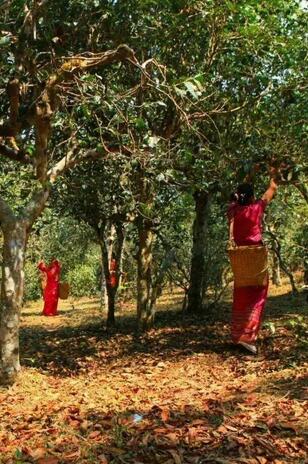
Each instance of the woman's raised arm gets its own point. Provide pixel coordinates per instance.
(272, 188)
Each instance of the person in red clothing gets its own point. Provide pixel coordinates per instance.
(51, 291)
(113, 272)
(245, 215)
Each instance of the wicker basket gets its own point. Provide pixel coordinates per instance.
(249, 265)
(64, 290)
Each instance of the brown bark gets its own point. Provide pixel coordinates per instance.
(112, 244)
(15, 155)
(276, 277)
(305, 274)
(303, 190)
(43, 127)
(282, 264)
(195, 292)
(111, 291)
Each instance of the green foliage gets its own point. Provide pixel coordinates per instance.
(300, 327)
(83, 280)
(286, 219)
(229, 93)
(72, 244)
(33, 289)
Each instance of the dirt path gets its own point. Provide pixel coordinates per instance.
(180, 394)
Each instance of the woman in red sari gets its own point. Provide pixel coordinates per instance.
(113, 272)
(51, 290)
(245, 228)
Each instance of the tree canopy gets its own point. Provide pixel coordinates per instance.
(132, 121)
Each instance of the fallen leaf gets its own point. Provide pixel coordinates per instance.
(261, 460)
(94, 435)
(116, 451)
(165, 415)
(38, 453)
(84, 425)
(102, 459)
(197, 422)
(176, 457)
(72, 456)
(49, 460)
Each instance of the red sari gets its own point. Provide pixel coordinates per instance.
(248, 302)
(51, 291)
(113, 271)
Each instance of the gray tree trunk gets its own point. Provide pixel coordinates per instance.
(144, 275)
(15, 233)
(12, 289)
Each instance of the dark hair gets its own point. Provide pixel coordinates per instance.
(244, 194)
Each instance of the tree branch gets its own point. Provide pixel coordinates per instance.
(75, 157)
(36, 205)
(6, 213)
(75, 64)
(16, 155)
(49, 101)
(303, 190)
(277, 251)
(71, 159)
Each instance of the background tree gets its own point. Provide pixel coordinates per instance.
(34, 85)
(95, 195)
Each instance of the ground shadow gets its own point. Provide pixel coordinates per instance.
(66, 351)
(295, 387)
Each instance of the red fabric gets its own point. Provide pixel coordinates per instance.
(51, 291)
(248, 302)
(113, 278)
(247, 312)
(247, 229)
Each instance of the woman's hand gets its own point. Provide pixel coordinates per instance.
(273, 185)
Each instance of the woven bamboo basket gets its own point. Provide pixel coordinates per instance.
(249, 265)
(64, 290)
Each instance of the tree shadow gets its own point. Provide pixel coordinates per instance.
(67, 351)
(294, 388)
(66, 312)
(288, 304)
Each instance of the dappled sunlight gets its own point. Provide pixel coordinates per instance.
(178, 392)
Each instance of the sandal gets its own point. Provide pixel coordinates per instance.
(250, 347)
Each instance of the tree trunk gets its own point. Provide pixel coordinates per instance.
(111, 293)
(282, 264)
(276, 277)
(145, 312)
(112, 244)
(103, 292)
(202, 205)
(109, 290)
(12, 288)
(305, 274)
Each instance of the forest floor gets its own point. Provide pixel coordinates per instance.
(180, 394)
